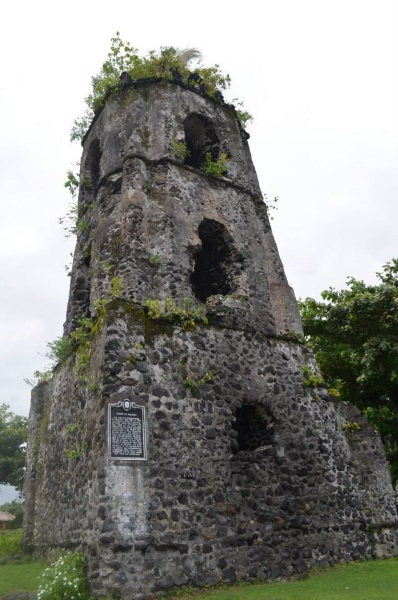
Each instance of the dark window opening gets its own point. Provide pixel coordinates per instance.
(87, 261)
(90, 177)
(200, 139)
(92, 165)
(255, 427)
(80, 288)
(214, 262)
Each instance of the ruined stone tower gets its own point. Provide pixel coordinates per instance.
(181, 442)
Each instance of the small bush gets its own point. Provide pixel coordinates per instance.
(351, 427)
(64, 580)
(10, 543)
(184, 316)
(116, 287)
(311, 379)
(164, 64)
(59, 350)
(180, 148)
(154, 260)
(216, 168)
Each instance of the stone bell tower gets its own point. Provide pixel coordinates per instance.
(181, 442)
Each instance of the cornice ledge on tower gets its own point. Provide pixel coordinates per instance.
(222, 181)
(148, 81)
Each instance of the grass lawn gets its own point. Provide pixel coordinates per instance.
(20, 577)
(375, 580)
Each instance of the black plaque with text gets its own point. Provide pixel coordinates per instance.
(126, 431)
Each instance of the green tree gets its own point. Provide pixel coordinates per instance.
(13, 431)
(354, 334)
(14, 508)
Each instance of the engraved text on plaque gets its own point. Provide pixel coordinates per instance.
(126, 431)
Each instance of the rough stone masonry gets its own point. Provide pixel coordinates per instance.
(220, 460)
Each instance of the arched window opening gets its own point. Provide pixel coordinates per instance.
(80, 288)
(92, 165)
(200, 138)
(90, 176)
(255, 427)
(215, 261)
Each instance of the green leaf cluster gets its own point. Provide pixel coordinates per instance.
(155, 309)
(195, 384)
(216, 168)
(74, 430)
(124, 59)
(82, 340)
(76, 451)
(13, 433)
(79, 342)
(39, 377)
(185, 316)
(64, 579)
(180, 148)
(116, 288)
(60, 349)
(154, 260)
(312, 379)
(354, 334)
(10, 541)
(244, 117)
(73, 221)
(351, 428)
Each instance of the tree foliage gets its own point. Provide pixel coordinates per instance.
(124, 62)
(354, 334)
(15, 507)
(13, 431)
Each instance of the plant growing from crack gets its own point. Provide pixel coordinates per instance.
(351, 427)
(311, 379)
(216, 168)
(195, 383)
(180, 148)
(154, 260)
(185, 316)
(73, 221)
(76, 451)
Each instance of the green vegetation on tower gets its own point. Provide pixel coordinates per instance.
(125, 64)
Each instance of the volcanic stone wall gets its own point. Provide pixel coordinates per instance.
(250, 472)
(296, 489)
(141, 201)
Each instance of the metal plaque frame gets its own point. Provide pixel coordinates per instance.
(126, 410)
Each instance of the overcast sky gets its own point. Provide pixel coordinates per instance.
(320, 78)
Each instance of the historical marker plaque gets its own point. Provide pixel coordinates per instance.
(126, 431)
